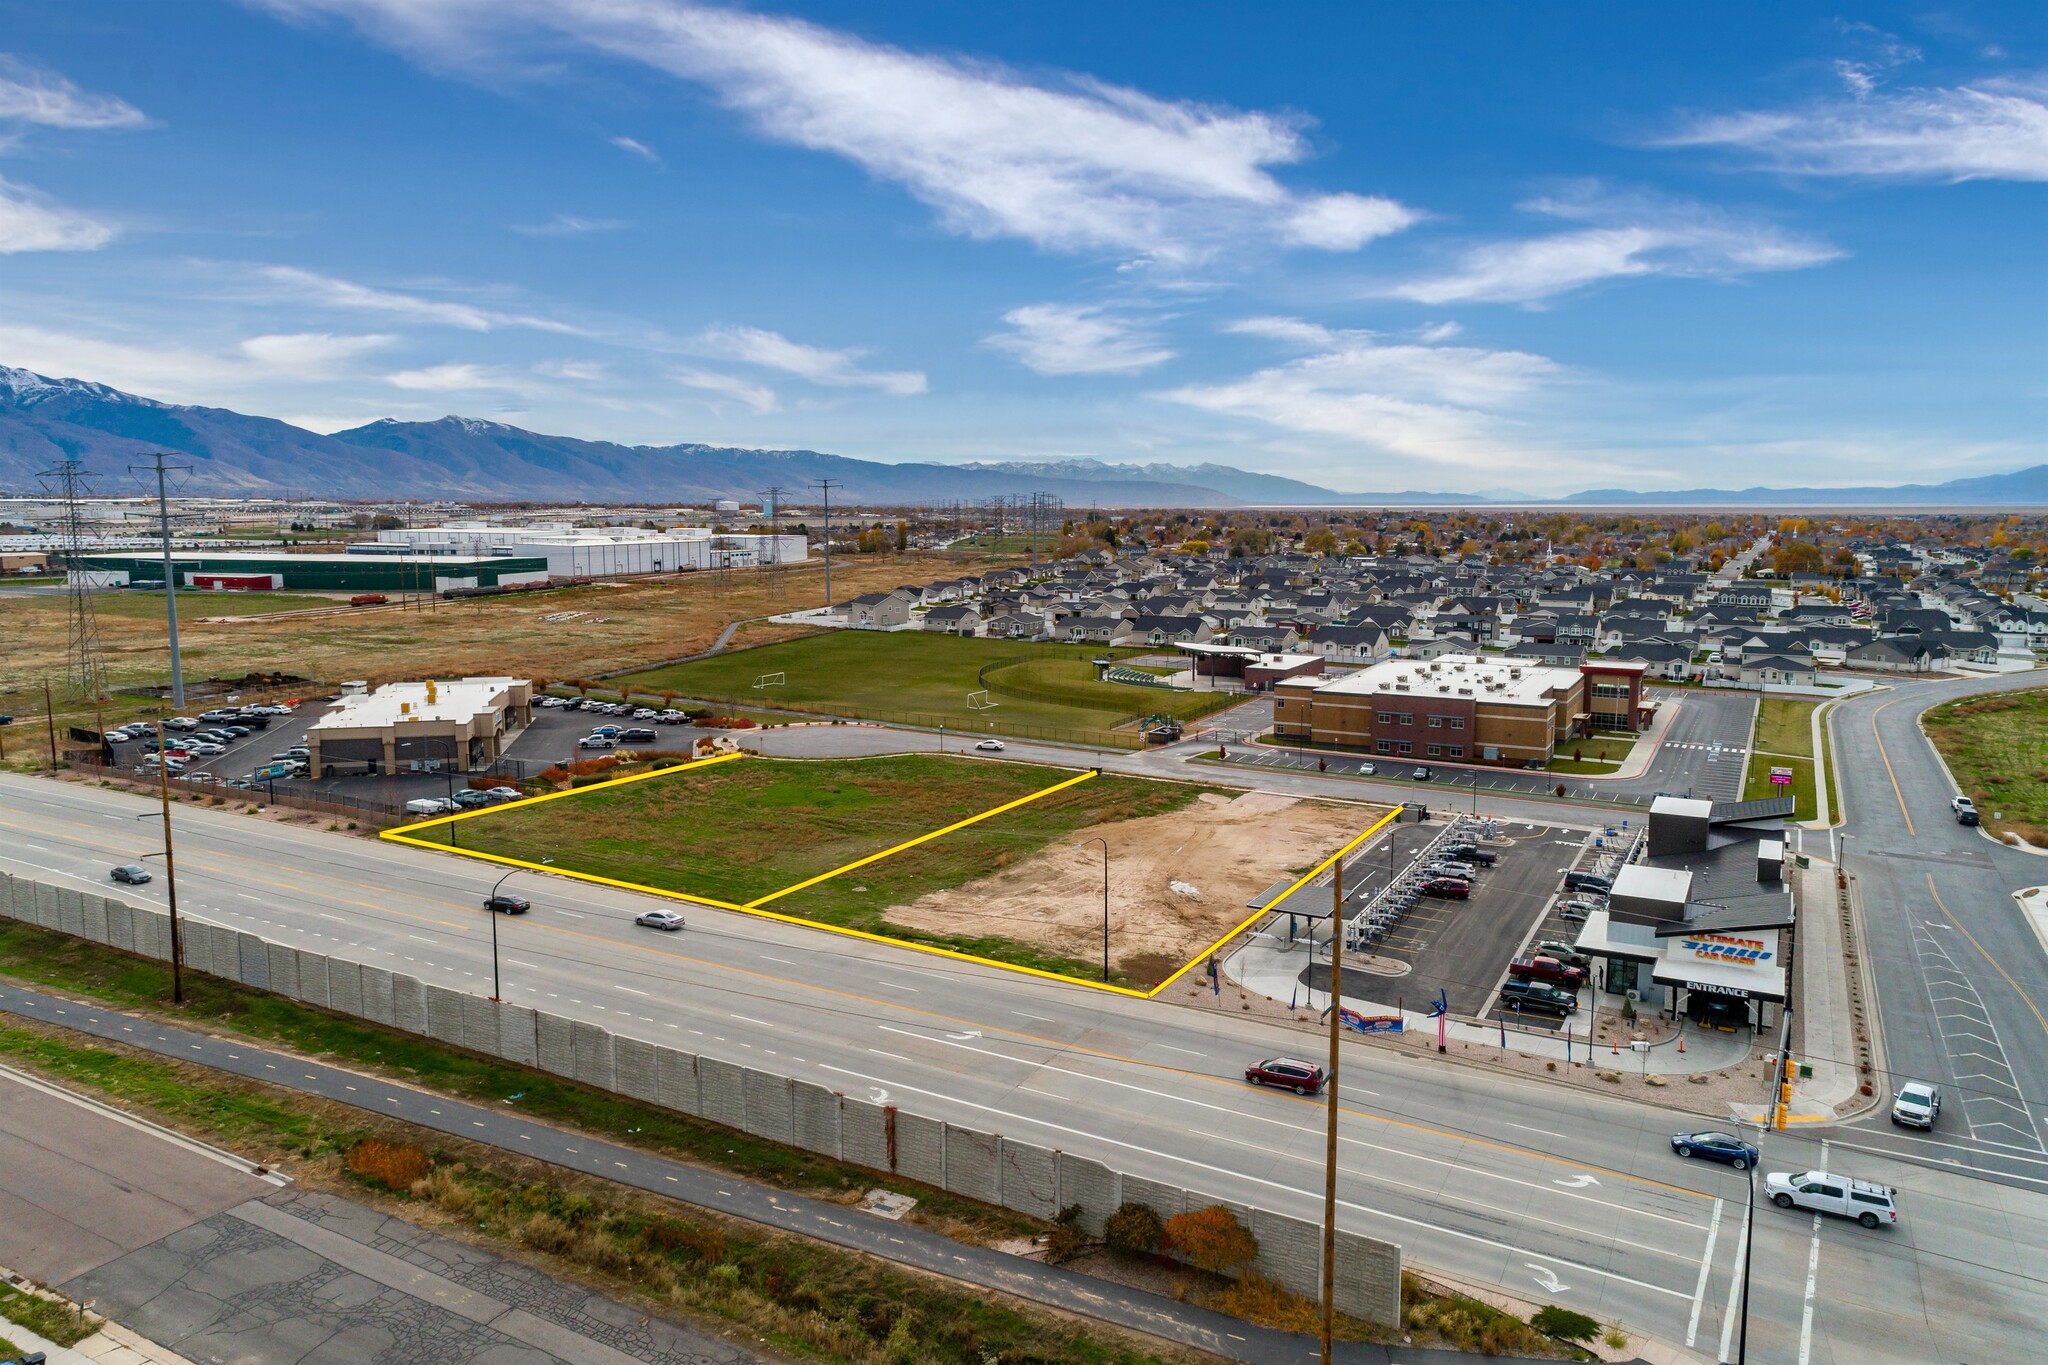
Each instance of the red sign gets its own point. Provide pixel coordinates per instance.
(1781, 777)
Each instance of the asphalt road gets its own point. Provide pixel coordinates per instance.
(1546, 1192)
(1962, 980)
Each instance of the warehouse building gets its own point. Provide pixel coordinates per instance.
(421, 726)
(588, 552)
(1460, 708)
(311, 573)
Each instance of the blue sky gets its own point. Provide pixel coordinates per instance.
(1536, 248)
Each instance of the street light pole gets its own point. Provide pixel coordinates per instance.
(1098, 839)
(490, 905)
(1329, 1286)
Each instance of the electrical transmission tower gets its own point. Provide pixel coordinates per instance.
(85, 661)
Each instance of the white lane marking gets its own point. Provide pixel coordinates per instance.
(745, 1020)
(247, 897)
(1039, 1017)
(422, 940)
(1812, 1277)
(895, 987)
(783, 960)
(336, 918)
(894, 1057)
(630, 991)
(1699, 1293)
(1735, 1284)
(518, 963)
(1188, 1050)
(1221, 1172)
(570, 913)
(1527, 1129)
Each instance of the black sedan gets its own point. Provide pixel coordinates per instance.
(509, 905)
(1714, 1146)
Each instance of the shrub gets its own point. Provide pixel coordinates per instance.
(1563, 1322)
(691, 1241)
(1257, 1299)
(1211, 1238)
(1064, 1243)
(1133, 1230)
(397, 1166)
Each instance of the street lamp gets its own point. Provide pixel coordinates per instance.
(1098, 839)
(491, 906)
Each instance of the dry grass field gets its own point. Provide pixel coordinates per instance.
(627, 624)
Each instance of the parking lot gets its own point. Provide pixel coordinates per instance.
(244, 755)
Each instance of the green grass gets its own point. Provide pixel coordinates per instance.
(1785, 726)
(917, 678)
(52, 1321)
(740, 830)
(1757, 783)
(1601, 753)
(235, 1112)
(1997, 747)
(1827, 751)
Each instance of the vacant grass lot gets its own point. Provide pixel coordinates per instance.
(740, 830)
(1997, 747)
(918, 678)
(1784, 739)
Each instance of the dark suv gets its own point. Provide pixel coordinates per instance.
(637, 736)
(1587, 881)
(1534, 998)
(1470, 853)
(1450, 888)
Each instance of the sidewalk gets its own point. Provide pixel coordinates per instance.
(1825, 1012)
(113, 1344)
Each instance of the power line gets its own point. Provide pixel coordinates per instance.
(163, 515)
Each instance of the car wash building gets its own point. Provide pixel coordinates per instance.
(247, 572)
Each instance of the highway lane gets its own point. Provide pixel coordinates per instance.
(1490, 1180)
(1962, 980)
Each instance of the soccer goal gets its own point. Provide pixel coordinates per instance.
(768, 680)
(980, 701)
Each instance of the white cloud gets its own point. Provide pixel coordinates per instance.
(568, 225)
(759, 397)
(193, 373)
(30, 94)
(309, 355)
(31, 222)
(1995, 129)
(1066, 162)
(772, 350)
(576, 371)
(637, 148)
(454, 377)
(311, 287)
(1444, 405)
(1624, 236)
(1054, 338)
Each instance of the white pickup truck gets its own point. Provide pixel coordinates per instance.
(1869, 1204)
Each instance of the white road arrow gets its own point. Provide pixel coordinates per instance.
(1577, 1182)
(1546, 1279)
(877, 1095)
(963, 1037)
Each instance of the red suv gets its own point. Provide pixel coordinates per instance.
(1303, 1078)
(1449, 887)
(1548, 969)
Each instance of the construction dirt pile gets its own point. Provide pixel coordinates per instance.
(1177, 882)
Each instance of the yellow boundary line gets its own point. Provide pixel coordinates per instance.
(404, 835)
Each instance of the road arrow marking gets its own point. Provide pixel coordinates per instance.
(1546, 1279)
(963, 1037)
(1577, 1182)
(877, 1095)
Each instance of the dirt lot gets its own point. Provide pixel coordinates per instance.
(632, 623)
(1177, 883)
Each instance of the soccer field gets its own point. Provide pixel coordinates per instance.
(916, 678)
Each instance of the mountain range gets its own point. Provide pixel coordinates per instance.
(231, 454)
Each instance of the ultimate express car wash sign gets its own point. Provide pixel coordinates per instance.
(1724, 948)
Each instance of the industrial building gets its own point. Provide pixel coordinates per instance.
(1461, 708)
(589, 552)
(421, 726)
(310, 573)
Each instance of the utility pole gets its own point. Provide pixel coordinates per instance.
(163, 524)
(825, 485)
(1779, 1085)
(50, 715)
(1330, 1090)
(163, 791)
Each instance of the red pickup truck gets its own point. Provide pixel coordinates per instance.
(1550, 970)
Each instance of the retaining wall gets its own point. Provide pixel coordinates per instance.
(1035, 1180)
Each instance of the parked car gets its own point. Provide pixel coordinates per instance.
(672, 717)
(181, 723)
(505, 793)
(1548, 969)
(1868, 1203)
(1571, 913)
(645, 713)
(1565, 953)
(1368, 769)
(1533, 997)
(201, 776)
(659, 919)
(431, 805)
(1420, 774)
(1917, 1105)
(1303, 1078)
(508, 905)
(206, 749)
(608, 731)
(597, 742)
(215, 717)
(1464, 872)
(470, 800)
(237, 731)
(132, 874)
(637, 736)
(1471, 853)
(1961, 804)
(1716, 1146)
(1450, 888)
(990, 746)
(1585, 905)
(1587, 881)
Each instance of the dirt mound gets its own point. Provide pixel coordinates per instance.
(1177, 882)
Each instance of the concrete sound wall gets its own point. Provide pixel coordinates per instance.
(1034, 1180)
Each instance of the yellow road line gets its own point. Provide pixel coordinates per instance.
(760, 901)
(556, 796)
(1888, 764)
(2038, 1017)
